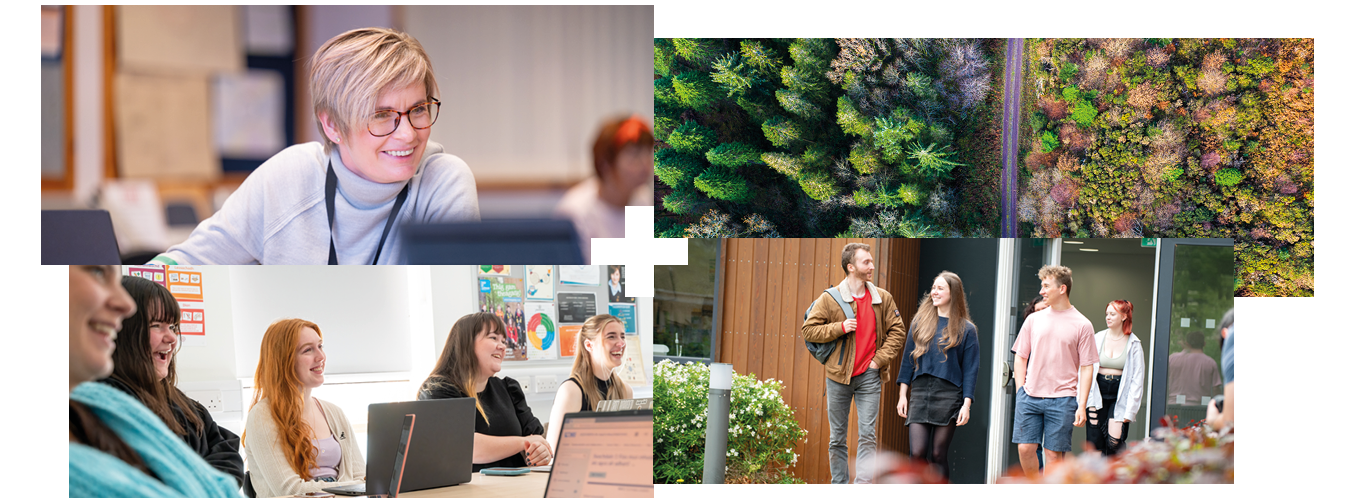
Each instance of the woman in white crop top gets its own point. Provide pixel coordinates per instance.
(1116, 391)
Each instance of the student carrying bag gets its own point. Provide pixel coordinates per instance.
(821, 350)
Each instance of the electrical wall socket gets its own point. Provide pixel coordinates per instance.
(546, 384)
(211, 399)
(528, 385)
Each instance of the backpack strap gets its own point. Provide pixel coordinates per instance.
(846, 307)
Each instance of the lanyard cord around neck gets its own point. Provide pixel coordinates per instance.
(330, 188)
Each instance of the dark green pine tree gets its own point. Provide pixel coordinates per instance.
(697, 91)
(674, 168)
(692, 139)
(733, 155)
(725, 184)
(698, 52)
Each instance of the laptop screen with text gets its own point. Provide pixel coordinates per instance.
(604, 455)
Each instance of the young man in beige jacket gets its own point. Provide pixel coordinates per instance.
(868, 342)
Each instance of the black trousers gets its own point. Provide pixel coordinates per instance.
(1098, 421)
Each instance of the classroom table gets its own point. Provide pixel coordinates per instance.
(531, 485)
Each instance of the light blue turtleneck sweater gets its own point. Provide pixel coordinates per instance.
(277, 216)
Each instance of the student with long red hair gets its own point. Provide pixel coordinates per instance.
(295, 443)
(1116, 391)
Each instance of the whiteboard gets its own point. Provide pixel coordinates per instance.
(362, 311)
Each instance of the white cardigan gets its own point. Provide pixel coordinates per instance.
(1130, 388)
(271, 474)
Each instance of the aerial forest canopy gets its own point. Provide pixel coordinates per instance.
(1175, 138)
(823, 137)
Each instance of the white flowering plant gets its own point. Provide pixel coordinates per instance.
(762, 428)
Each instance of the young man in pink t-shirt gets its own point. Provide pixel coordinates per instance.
(1055, 355)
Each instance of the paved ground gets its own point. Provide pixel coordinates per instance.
(1010, 135)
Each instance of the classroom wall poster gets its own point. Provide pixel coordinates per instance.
(568, 337)
(503, 297)
(579, 275)
(576, 307)
(626, 312)
(632, 367)
(154, 273)
(185, 283)
(498, 270)
(542, 333)
(540, 282)
(615, 284)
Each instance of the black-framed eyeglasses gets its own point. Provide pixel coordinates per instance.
(385, 122)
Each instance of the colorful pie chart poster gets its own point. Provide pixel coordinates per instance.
(542, 331)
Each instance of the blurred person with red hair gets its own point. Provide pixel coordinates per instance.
(622, 156)
(1116, 391)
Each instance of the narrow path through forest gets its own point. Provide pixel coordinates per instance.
(1010, 135)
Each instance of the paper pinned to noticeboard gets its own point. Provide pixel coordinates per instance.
(177, 39)
(163, 128)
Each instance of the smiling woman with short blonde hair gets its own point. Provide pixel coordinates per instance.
(343, 200)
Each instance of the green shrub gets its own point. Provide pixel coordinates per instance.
(1049, 142)
(818, 185)
(733, 155)
(1228, 177)
(762, 428)
(674, 168)
(1084, 113)
(723, 183)
(697, 91)
(692, 139)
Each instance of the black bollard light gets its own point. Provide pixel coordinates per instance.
(717, 423)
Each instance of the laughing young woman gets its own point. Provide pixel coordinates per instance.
(118, 447)
(295, 443)
(144, 368)
(343, 201)
(598, 352)
(507, 434)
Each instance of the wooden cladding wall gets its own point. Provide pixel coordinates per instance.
(766, 286)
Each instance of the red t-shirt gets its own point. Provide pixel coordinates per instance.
(865, 335)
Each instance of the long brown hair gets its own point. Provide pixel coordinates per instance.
(582, 371)
(458, 366)
(275, 379)
(924, 322)
(132, 363)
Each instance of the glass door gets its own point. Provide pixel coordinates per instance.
(1026, 256)
(1195, 288)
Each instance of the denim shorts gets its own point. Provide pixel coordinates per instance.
(1046, 421)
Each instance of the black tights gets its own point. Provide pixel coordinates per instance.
(932, 443)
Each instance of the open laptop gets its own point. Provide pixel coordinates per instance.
(443, 445)
(492, 242)
(604, 455)
(78, 237)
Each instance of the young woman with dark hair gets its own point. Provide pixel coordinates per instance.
(507, 434)
(940, 368)
(1116, 391)
(598, 352)
(144, 367)
(295, 443)
(118, 447)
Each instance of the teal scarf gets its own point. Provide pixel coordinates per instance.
(182, 472)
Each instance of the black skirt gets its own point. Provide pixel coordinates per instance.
(934, 401)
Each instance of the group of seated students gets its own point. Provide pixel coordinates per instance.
(135, 434)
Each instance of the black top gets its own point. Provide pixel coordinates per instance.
(218, 446)
(504, 403)
(601, 391)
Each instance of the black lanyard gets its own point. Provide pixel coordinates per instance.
(330, 187)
